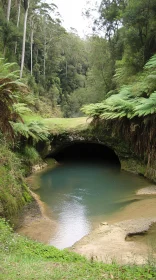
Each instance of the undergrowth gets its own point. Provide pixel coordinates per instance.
(14, 193)
(21, 258)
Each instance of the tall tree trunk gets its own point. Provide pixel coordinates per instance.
(44, 60)
(31, 45)
(8, 10)
(45, 48)
(26, 7)
(19, 12)
(18, 19)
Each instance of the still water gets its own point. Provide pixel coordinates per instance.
(81, 195)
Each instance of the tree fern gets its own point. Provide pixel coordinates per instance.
(20, 128)
(132, 100)
(36, 130)
(21, 108)
(146, 106)
(151, 63)
(10, 89)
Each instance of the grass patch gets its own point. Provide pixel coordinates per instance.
(59, 124)
(23, 259)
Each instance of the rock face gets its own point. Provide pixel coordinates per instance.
(128, 140)
(38, 167)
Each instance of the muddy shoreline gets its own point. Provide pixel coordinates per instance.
(36, 221)
(107, 242)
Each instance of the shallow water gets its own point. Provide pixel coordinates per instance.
(81, 195)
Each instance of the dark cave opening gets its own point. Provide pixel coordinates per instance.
(86, 152)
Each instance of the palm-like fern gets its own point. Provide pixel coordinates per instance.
(21, 109)
(151, 63)
(129, 102)
(9, 85)
(146, 106)
(11, 111)
(36, 130)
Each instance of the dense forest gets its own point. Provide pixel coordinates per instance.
(54, 73)
(64, 72)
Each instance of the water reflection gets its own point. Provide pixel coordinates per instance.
(73, 224)
(79, 194)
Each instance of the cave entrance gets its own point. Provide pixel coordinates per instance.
(89, 152)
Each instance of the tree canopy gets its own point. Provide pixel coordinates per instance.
(65, 72)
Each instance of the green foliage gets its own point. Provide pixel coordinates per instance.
(35, 130)
(26, 259)
(13, 190)
(9, 87)
(30, 155)
(61, 67)
(21, 108)
(129, 102)
(151, 63)
(129, 27)
(147, 106)
(23, 247)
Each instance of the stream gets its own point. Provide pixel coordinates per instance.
(80, 195)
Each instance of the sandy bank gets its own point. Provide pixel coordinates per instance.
(36, 222)
(107, 242)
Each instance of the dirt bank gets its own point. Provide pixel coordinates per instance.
(37, 222)
(107, 242)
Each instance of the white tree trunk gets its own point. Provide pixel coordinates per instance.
(31, 46)
(19, 12)
(44, 61)
(45, 47)
(18, 19)
(8, 10)
(24, 38)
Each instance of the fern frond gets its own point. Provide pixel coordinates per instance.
(21, 108)
(20, 128)
(36, 130)
(147, 106)
(151, 63)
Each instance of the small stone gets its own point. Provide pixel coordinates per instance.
(104, 224)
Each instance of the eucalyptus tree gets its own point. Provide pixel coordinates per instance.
(140, 24)
(26, 7)
(8, 10)
(18, 19)
(110, 18)
(73, 69)
(39, 9)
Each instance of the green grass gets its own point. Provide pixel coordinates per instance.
(60, 124)
(24, 259)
